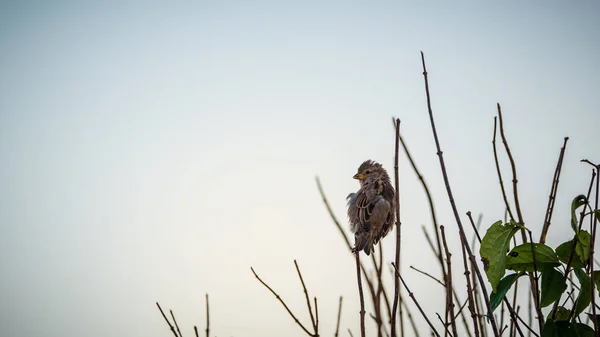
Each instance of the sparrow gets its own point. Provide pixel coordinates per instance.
(371, 209)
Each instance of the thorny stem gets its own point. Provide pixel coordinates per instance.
(451, 198)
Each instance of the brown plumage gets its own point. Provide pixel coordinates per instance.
(371, 209)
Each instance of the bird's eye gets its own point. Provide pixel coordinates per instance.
(367, 171)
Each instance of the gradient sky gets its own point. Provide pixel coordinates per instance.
(154, 152)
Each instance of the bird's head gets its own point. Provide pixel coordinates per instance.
(370, 171)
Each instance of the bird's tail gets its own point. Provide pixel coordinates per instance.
(362, 242)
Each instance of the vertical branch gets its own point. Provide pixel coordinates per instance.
(553, 191)
(207, 318)
(361, 296)
(536, 291)
(568, 267)
(512, 165)
(316, 318)
(448, 285)
(436, 229)
(398, 226)
(337, 326)
(500, 174)
(471, 306)
(453, 204)
(593, 226)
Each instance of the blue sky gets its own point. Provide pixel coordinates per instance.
(154, 152)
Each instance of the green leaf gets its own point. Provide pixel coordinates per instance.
(503, 287)
(550, 329)
(493, 250)
(558, 329)
(564, 251)
(582, 248)
(553, 285)
(584, 330)
(520, 258)
(579, 201)
(585, 295)
(562, 314)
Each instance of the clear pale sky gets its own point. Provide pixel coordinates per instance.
(155, 151)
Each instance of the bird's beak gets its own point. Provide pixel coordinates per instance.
(359, 176)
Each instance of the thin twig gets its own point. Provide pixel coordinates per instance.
(207, 317)
(428, 275)
(553, 192)
(412, 296)
(312, 318)
(361, 296)
(410, 319)
(176, 325)
(448, 333)
(448, 283)
(167, 320)
(282, 302)
(451, 199)
(337, 325)
(350, 332)
(398, 226)
(196, 331)
(316, 318)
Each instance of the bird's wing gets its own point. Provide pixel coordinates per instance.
(380, 223)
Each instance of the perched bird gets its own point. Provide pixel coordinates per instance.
(371, 209)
